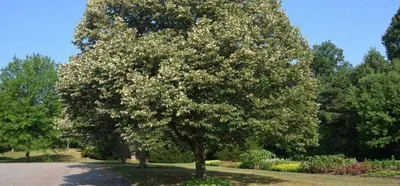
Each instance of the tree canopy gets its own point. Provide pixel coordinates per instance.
(391, 38)
(210, 71)
(29, 103)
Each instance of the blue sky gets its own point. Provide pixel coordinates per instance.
(47, 26)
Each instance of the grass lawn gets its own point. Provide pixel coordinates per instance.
(174, 174)
(57, 155)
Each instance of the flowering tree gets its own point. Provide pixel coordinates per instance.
(203, 71)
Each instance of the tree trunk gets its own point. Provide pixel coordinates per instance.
(142, 158)
(200, 161)
(27, 157)
(124, 151)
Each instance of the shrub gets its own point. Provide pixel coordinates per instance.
(384, 174)
(386, 164)
(254, 158)
(216, 163)
(356, 169)
(287, 167)
(46, 158)
(208, 181)
(266, 165)
(97, 153)
(247, 165)
(326, 164)
(172, 154)
(231, 153)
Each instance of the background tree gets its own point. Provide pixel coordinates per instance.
(391, 38)
(373, 62)
(28, 103)
(375, 99)
(328, 59)
(333, 74)
(210, 71)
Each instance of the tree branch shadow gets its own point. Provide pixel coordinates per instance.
(172, 175)
(93, 174)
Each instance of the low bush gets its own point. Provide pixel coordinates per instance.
(172, 154)
(326, 163)
(208, 181)
(98, 153)
(253, 158)
(219, 163)
(266, 165)
(386, 164)
(247, 165)
(215, 163)
(356, 169)
(384, 174)
(287, 167)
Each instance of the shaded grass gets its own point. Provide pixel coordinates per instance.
(175, 174)
(56, 155)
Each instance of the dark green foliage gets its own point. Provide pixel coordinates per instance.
(373, 62)
(233, 152)
(99, 153)
(29, 103)
(230, 153)
(337, 129)
(208, 181)
(106, 147)
(326, 163)
(171, 154)
(391, 38)
(327, 59)
(3, 149)
(247, 165)
(375, 99)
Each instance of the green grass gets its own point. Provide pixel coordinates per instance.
(56, 155)
(175, 174)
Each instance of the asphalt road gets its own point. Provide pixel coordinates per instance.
(52, 174)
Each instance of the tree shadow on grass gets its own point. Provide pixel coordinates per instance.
(171, 175)
(93, 174)
(38, 158)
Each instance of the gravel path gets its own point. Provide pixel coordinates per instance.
(51, 174)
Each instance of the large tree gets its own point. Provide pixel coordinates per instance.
(375, 99)
(29, 103)
(333, 72)
(209, 71)
(391, 38)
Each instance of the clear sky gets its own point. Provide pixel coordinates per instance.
(47, 26)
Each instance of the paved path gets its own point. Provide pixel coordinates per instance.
(52, 174)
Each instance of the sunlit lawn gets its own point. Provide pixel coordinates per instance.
(56, 155)
(175, 174)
